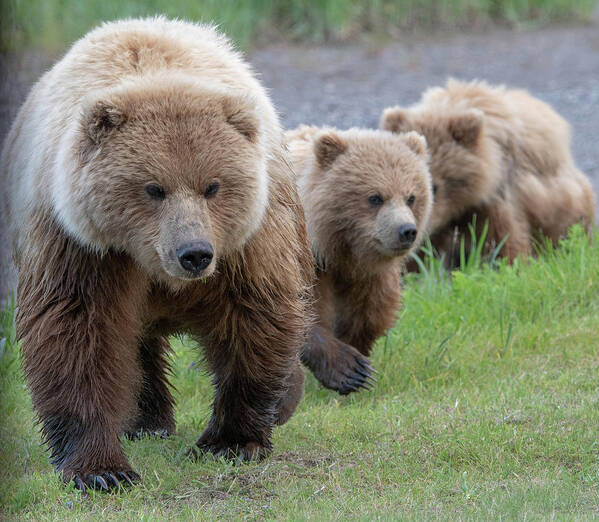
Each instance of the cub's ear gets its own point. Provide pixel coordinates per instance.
(416, 142)
(100, 119)
(328, 146)
(466, 128)
(394, 119)
(239, 113)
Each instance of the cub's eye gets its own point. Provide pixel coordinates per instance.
(212, 189)
(410, 200)
(434, 189)
(375, 200)
(155, 191)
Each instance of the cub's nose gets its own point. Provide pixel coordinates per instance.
(407, 234)
(195, 256)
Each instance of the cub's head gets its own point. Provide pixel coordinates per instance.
(174, 175)
(368, 193)
(459, 162)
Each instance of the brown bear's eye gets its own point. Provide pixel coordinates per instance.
(434, 189)
(375, 200)
(212, 189)
(411, 200)
(155, 191)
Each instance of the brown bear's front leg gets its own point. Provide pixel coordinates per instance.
(252, 348)
(155, 414)
(366, 309)
(78, 327)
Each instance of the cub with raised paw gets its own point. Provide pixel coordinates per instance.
(367, 197)
(149, 194)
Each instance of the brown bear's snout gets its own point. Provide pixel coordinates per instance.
(407, 235)
(195, 256)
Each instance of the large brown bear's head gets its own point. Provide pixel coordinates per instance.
(171, 172)
(368, 195)
(459, 162)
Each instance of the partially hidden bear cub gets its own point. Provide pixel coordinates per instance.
(149, 194)
(499, 154)
(367, 197)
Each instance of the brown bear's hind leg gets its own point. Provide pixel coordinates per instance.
(335, 364)
(155, 414)
(252, 346)
(290, 400)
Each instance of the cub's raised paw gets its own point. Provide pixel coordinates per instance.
(234, 452)
(105, 480)
(337, 365)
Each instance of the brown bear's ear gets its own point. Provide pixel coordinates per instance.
(239, 114)
(416, 142)
(101, 119)
(466, 128)
(327, 147)
(394, 119)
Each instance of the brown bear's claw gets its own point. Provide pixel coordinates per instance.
(239, 453)
(105, 481)
(142, 433)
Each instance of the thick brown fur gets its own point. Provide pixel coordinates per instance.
(358, 187)
(100, 287)
(501, 155)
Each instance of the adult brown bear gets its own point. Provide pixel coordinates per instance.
(148, 193)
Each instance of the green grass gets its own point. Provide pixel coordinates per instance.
(487, 407)
(54, 24)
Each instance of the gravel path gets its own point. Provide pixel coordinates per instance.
(349, 86)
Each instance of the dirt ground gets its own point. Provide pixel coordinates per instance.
(350, 85)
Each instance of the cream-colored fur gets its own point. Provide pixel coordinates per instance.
(40, 163)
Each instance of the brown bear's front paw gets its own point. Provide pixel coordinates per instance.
(234, 452)
(337, 365)
(104, 480)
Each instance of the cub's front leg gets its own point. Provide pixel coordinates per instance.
(335, 364)
(78, 324)
(366, 309)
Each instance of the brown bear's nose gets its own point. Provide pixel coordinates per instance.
(407, 234)
(195, 256)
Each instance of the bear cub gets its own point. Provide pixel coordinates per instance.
(367, 197)
(499, 154)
